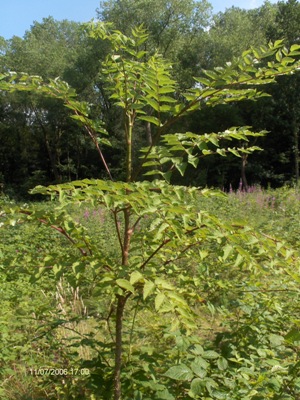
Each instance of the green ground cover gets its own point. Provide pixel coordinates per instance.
(244, 345)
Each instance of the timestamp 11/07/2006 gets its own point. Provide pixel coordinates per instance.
(59, 371)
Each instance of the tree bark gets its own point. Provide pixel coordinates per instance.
(296, 151)
(149, 134)
(121, 302)
(243, 172)
(118, 350)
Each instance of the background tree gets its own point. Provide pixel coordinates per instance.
(236, 29)
(175, 28)
(284, 120)
(54, 49)
(230, 32)
(278, 162)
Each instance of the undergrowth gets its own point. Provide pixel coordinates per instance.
(244, 333)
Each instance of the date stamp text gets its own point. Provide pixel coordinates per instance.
(59, 371)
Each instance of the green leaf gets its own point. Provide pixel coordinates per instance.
(151, 119)
(204, 81)
(199, 361)
(276, 340)
(154, 104)
(181, 167)
(105, 141)
(227, 250)
(166, 89)
(238, 260)
(177, 299)
(163, 284)
(167, 176)
(279, 56)
(222, 152)
(136, 276)
(219, 395)
(210, 354)
(197, 386)
(148, 289)
(124, 284)
(295, 47)
(179, 373)
(164, 395)
(293, 336)
(159, 300)
(222, 364)
(167, 99)
(198, 370)
(234, 151)
(193, 160)
(197, 349)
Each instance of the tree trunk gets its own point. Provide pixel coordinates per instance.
(121, 302)
(243, 172)
(118, 350)
(296, 150)
(52, 157)
(149, 134)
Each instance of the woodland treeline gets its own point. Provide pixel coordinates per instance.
(40, 144)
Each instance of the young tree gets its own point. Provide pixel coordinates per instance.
(159, 228)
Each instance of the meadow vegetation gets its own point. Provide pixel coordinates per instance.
(245, 343)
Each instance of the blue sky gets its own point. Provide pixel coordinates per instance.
(16, 16)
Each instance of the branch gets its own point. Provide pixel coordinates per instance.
(166, 241)
(189, 106)
(136, 223)
(90, 133)
(60, 230)
(183, 251)
(155, 252)
(267, 290)
(118, 230)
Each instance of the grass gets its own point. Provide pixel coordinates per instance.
(275, 212)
